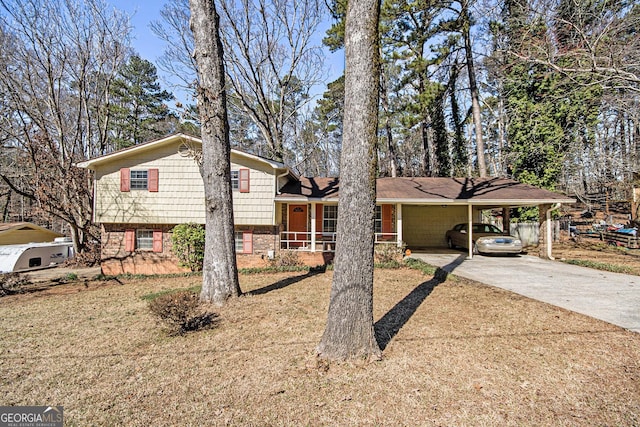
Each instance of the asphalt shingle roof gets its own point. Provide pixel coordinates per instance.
(421, 189)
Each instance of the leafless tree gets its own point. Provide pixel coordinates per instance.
(177, 58)
(55, 78)
(271, 60)
(349, 331)
(220, 273)
(465, 29)
(603, 43)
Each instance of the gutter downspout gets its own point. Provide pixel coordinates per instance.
(470, 230)
(277, 178)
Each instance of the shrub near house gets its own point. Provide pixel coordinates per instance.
(188, 245)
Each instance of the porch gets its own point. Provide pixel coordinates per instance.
(416, 212)
(311, 227)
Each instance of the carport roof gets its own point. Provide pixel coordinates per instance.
(421, 190)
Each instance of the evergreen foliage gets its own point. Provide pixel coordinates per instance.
(548, 113)
(138, 104)
(188, 245)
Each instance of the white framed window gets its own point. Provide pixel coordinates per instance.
(144, 239)
(329, 218)
(244, 242)
(240, 180)
(139, 179)
(378, 220)
(235, 181)
(238, 242)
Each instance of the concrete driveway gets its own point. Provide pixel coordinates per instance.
(612, 297)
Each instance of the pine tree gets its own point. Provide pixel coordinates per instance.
(138, 103)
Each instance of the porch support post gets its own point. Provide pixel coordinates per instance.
(313, 226)
(545, 237)
(399, 224)
(470, 230)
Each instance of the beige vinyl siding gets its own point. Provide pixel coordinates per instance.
(425, 226)
(180, 197)
(257, 206)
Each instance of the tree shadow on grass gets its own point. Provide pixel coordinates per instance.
(390, 324)
(280, 284)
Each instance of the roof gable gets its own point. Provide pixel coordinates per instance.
(189, 143)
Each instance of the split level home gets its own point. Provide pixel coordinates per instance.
(142, 192)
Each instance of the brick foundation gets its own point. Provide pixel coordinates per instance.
(313, 259)
(115, 260)
(265, 238)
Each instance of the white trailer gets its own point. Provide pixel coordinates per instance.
(34, 256)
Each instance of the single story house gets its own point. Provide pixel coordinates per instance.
(16, 233)
(143, 191)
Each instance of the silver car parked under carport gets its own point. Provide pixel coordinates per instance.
(487, 239)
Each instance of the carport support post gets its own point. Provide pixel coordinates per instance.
(470, 230)
(399, 224)
(545, 238)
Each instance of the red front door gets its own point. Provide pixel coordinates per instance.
(297, 225)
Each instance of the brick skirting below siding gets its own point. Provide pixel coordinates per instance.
(116, 260)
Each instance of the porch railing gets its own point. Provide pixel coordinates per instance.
(300, 240)
(386, 238)
(324, 242)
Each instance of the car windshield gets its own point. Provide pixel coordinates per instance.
(486, 228)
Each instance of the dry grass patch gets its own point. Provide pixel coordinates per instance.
(456, 353)
(599, 255)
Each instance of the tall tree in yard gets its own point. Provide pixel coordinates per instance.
(220, 273)
(465, 25)
(138, 103)
(58, 61)
(270, 59)
(349, 331)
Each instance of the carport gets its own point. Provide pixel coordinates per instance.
(426, 208)
(416, 211)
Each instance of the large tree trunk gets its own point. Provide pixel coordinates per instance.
(220, 273)
(349, 331)
(473, 87)
(386, 109)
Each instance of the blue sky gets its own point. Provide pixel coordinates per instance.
(149, 47)
(142, 13)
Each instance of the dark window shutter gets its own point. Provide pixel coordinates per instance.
(157, 240)
(247, 242)
(125, 177)
(244, 175)
(129, 240)
(152, 180)
(387, 219)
